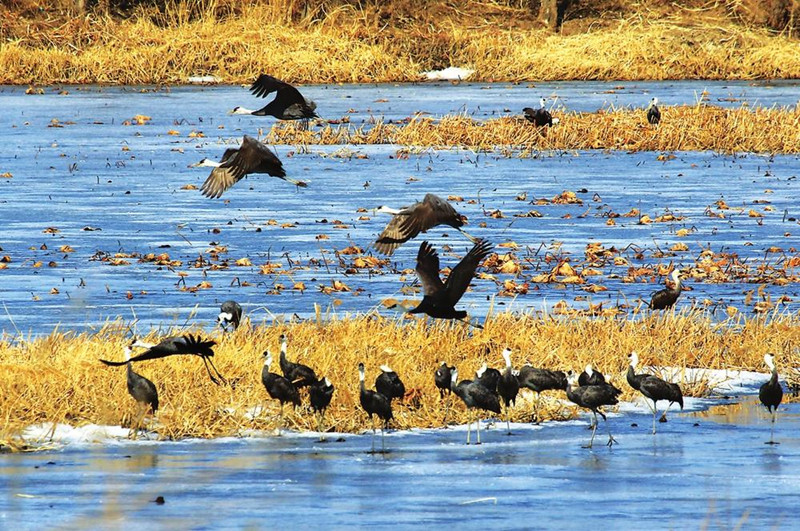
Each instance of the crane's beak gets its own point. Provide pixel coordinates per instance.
(473, 239)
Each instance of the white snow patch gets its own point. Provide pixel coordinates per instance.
(203, 79)
(452, 73)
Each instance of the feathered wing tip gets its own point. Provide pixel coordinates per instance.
(113, 363)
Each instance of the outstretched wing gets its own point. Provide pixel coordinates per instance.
(218, 181)
(266, 84)
(461, 275)
(428, 269)
(171, 346)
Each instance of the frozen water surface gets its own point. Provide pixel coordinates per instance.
(708, 468)
(110, 188)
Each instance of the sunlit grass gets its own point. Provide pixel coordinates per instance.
(58, 379)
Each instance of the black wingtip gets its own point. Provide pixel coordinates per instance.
(113, 363)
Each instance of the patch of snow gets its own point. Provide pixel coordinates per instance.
(451, 73)
(203, 79)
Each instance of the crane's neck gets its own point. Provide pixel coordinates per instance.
(128, 354)
(676, 279)
(242, 110)
(268, 360)
(142, 344)
(507, 358)
(589, 370)
(634, 360)
(453, 379)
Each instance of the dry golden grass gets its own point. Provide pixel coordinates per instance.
(698, 127)
(58, 379)
(304, 42)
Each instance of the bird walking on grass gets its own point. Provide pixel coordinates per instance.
(653, 113)
(508, 386)
(300, 375)
(654, 388)
(278, 387)
(771, 394)
(441, 297)
(475, 396)
(230, 314)
(666, 298)
(409, 221)
(142, 390)
(540, 117)
(320, 394)
(592, 397)
(374, 403)
(253, 156)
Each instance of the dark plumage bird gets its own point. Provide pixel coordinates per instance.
(171, 346)
(593, 397)
(655, 389)
(300, 375)
(409, 221)
(440, 298)
(142, 390)
(508, 386)
(442, 379)
(278, 387)
(591, 377)
(538, 380)
(634, 380)
(770, 394)
(288, 104)
(666, 298)
(487, 377)
(541, 116)
(253, 156)
(389, 384)
(320, 394)
(474, 396)
(653, 113)
(374, 403)
(230, 313)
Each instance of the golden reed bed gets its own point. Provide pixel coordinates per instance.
(691, 128)
(58, 378)
(348, 44)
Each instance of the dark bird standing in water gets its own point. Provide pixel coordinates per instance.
(654, 388)
(474, 396)
(541, 116)
(771, 394)
(653, 113)
(252, 156)
(230, 313)
(440, 298)
(171, 346)
(592, 397)
(538, 380)
(409, 221)
(374, 403)
(278, 387)
(288, 104)
(666, 298)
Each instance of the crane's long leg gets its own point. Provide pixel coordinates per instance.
(446, 410)
(536, 408)
(469, 424)
(383, 438)
(280, 420)
(591, 441)
(611, 439)
(373, 433)
(772, 427)
(478, 426)
(655, 412)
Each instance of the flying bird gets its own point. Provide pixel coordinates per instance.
(230, 313)
(176, 345)
(440, 298)
(653, 113)
(655, 389)
(541, 116)
(253, 156)
(288, 104)
(409, 221)
(592, 397)
(771, 394)
(278, 387)
(666, 298)
(374, 403)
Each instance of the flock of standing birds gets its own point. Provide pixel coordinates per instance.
(589, 389)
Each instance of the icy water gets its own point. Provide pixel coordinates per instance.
(706, 469)
(85, 199)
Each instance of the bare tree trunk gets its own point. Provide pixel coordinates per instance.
(548, 14)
